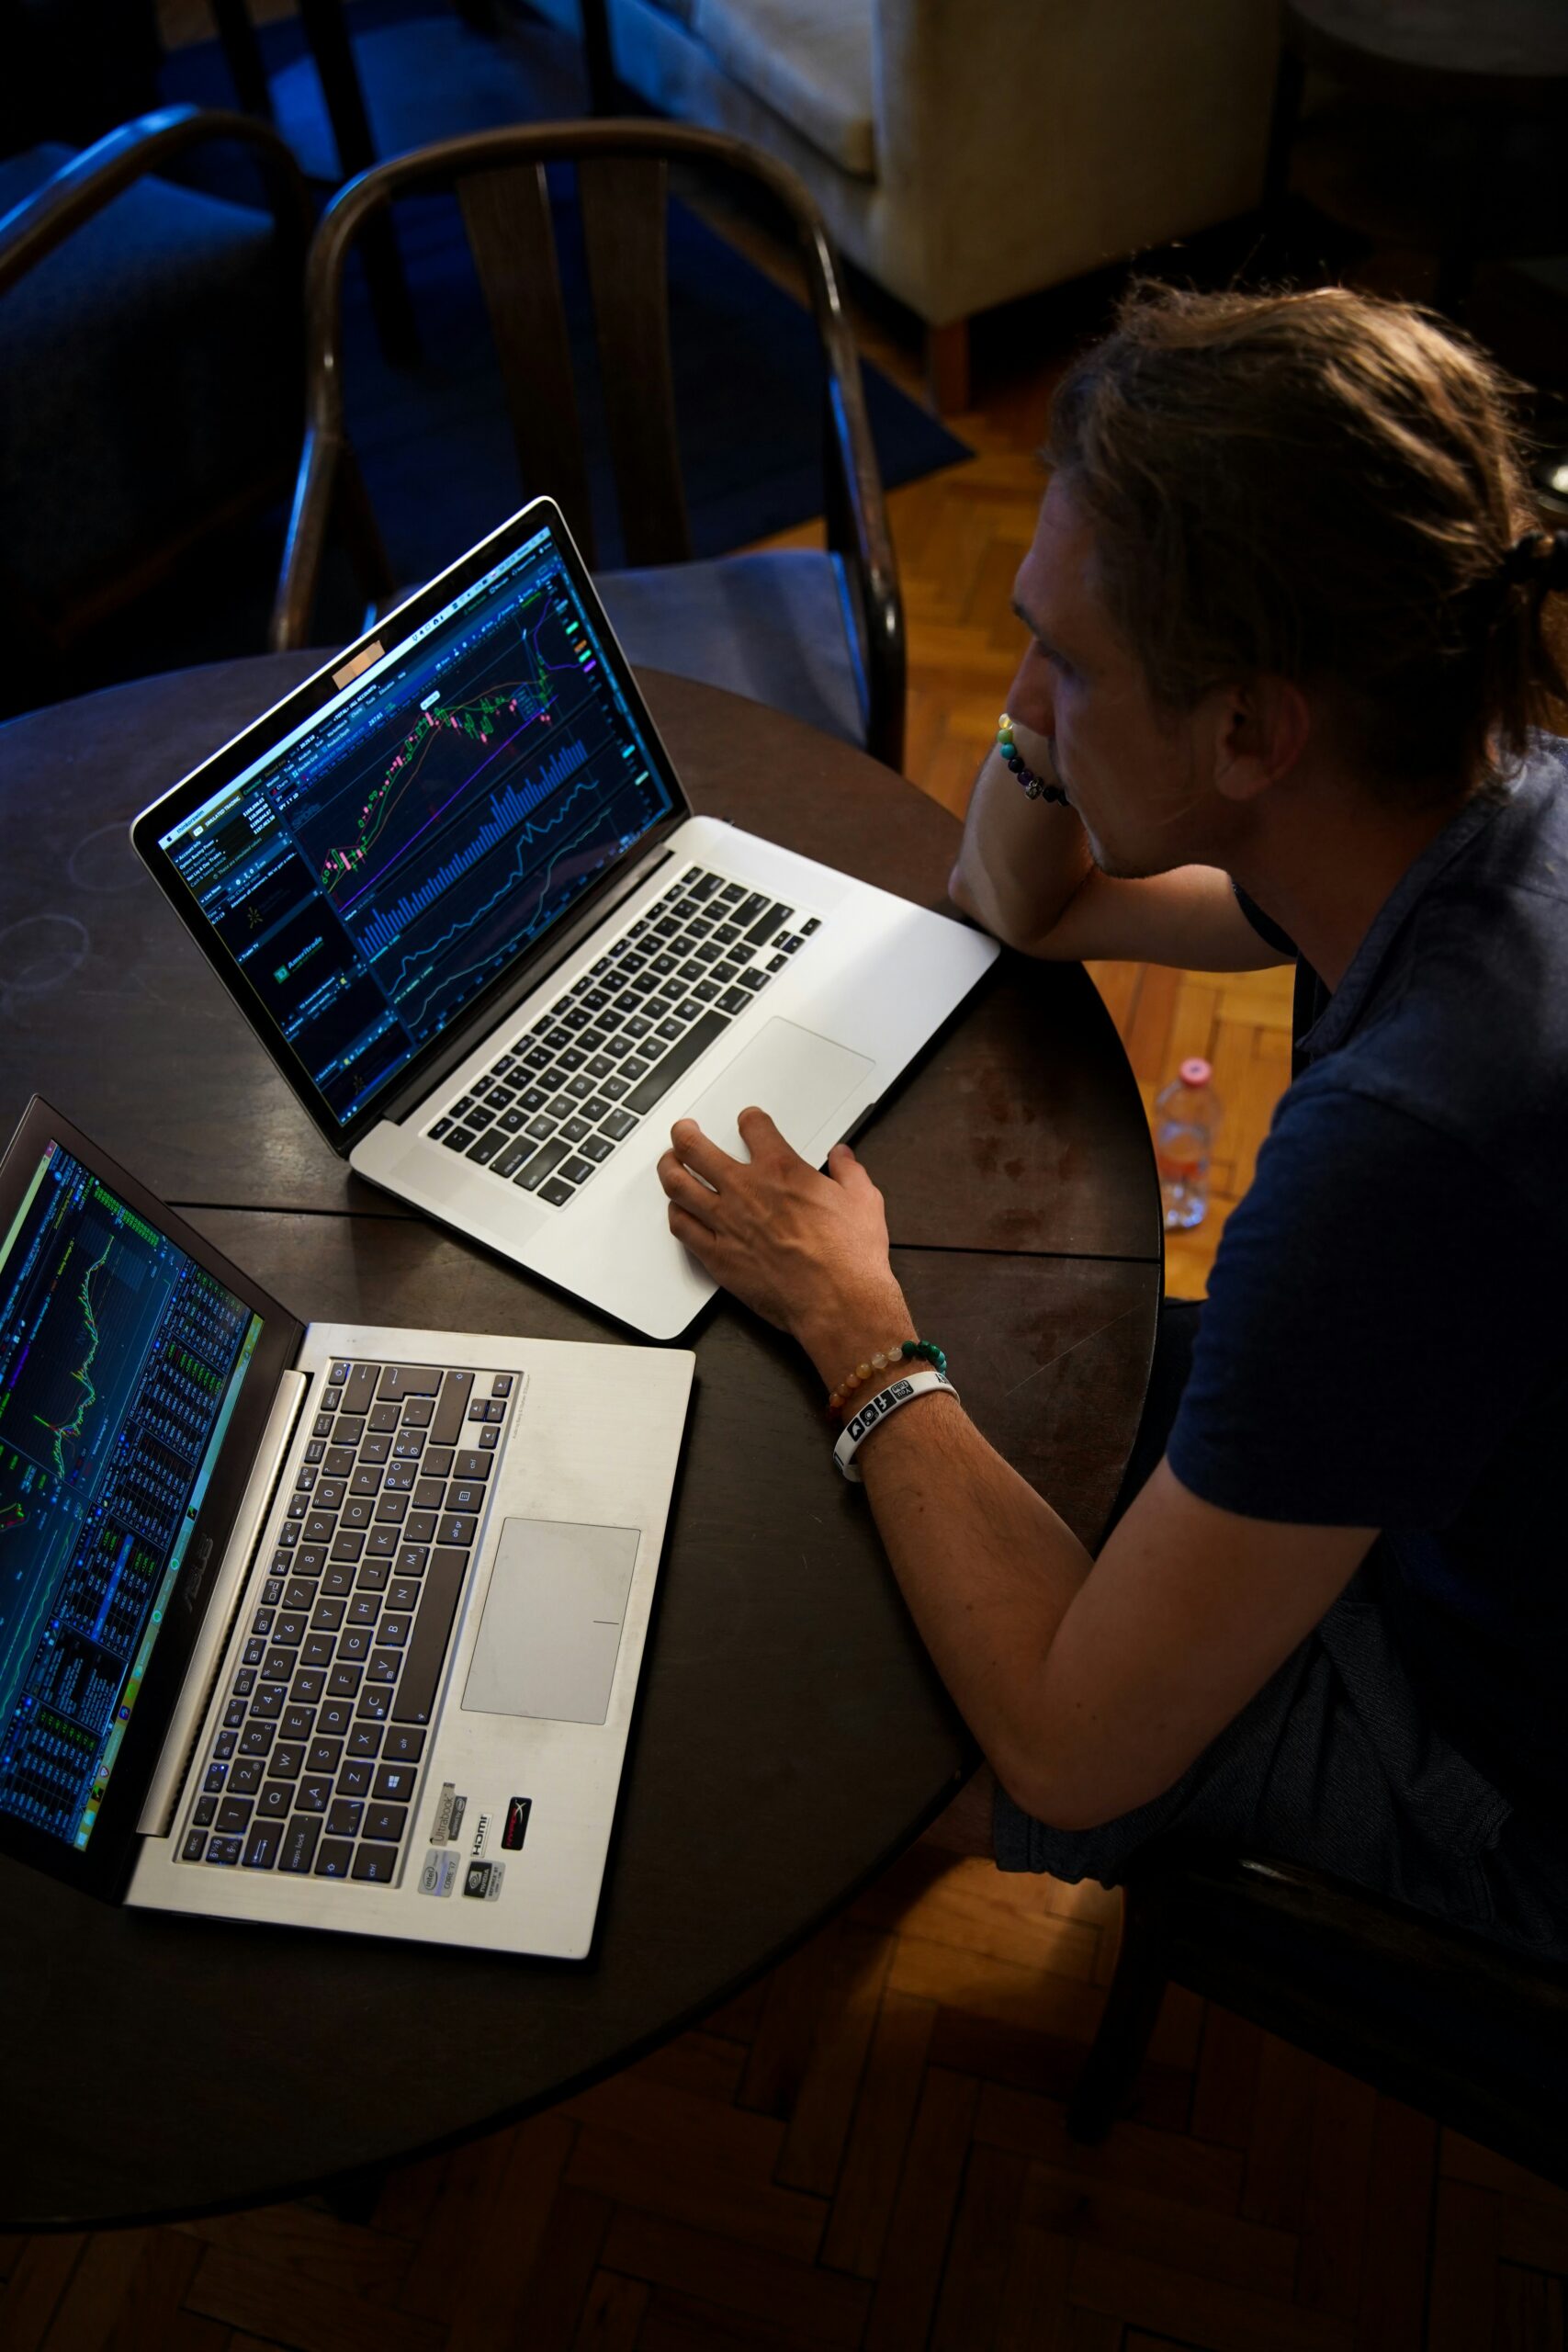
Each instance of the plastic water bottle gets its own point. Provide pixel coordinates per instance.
(1186, 1118)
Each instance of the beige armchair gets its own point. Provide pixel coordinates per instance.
(965, 151)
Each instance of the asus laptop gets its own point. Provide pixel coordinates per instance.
(322, 1623)
(456, 888)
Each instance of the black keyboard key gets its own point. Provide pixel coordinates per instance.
(394, 1785)
(488, 1144)
(753, 980)
(520, 1148)
(698, 884)
(747, 912)
(403, 1594)
(257, 1740)
(694, 1043)
(307, 1688)
(556, 1193)
(244, 1780)
(383, 1666)
(469, 1464)
(447, 1423)
(466, 1494)
(365, 1739)
(343, 1819)
(336, 1717)
(433, 1630)
(327, 1616)
(377, 1864)
(399, 1380)
(386, 1821)
(574, 1171)
(195, 1846)
(268, 1701)
(356, 1776)
(263, 1846)
(287, 1761)
(403, 1745)
(234, 1814)
(225, 1851)
(315, 1792)
(333, 1858)
(297, 1723)
(734, 1000)
(325, 1754)
(360, 1389)
(300, 1839)
(275, 1799)
(544, 1162)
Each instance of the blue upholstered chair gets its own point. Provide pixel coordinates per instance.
(149, 351)
(819, 634)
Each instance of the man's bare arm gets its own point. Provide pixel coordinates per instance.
(1091, 1685)
(1024, 873)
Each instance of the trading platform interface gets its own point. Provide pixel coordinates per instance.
(121, 1362)
(376, 870)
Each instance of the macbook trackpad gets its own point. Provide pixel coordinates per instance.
(798, 1078)
(551, 1629)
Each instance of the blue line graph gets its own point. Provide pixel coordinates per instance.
(508, 810)
(418, 964)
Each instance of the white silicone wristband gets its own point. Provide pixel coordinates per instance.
(876, 1408)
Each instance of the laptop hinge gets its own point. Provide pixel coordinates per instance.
(174, 1763)
(418, 1091)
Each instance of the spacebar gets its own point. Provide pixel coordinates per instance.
(676, 1063)
(427, 1643)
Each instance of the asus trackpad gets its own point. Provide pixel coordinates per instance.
(551, 1629)
(798, 1078)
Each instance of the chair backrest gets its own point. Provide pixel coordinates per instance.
(623, 174)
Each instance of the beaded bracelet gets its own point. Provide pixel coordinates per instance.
(890, 1354)
(1034, 785)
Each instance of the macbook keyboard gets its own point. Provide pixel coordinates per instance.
(316, 1762)
(553, 1107)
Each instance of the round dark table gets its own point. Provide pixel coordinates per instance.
(792, 1736)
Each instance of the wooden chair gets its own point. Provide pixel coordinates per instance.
(817, 635)
(150, 341)
(1463, 2029)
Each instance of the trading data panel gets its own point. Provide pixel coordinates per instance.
(377, 870)
(120, 1362)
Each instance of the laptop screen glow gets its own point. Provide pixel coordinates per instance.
(121, 1361)
(376, 870)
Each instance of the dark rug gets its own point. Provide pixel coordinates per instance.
(434, 437)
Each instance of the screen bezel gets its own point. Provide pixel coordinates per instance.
(313, 694)
(103, 1867)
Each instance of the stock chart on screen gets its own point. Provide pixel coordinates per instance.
(120, 1359)
(375, 872)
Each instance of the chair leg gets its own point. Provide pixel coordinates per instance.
(1105, 2086)
(947, 367)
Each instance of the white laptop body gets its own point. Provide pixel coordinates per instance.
(170, 1736)
(398, 815)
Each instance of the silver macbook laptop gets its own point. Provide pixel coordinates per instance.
(326, 1624)
(455, 886)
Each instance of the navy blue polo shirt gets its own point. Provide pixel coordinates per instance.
(1385, 1342)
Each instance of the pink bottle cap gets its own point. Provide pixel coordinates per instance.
(1195, 1072)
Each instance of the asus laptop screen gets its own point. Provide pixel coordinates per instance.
(374, 872)
(121, 1364)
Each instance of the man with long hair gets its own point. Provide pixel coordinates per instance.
(1289, 663)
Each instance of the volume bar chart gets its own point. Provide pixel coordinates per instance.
(509, 809)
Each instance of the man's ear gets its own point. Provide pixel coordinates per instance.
(1259, 730)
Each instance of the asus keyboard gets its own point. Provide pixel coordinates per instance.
(316, 1762)
(553, 1106)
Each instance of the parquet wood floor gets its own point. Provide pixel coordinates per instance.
(866, 2149)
